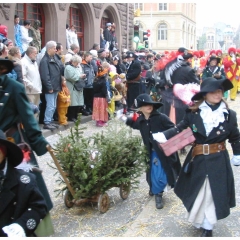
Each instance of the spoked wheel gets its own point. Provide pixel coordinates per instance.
(103, 202)
(68, 199)
(124, 190)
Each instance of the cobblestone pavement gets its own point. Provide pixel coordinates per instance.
(136, 216)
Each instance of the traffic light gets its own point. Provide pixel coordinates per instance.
(136, 34)
(146, 44)
(145, 38)
(144, 35)
(148, 33)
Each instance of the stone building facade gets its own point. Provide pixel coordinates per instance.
(172, 25)
(87, 18)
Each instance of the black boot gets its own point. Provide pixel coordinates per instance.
(150, 193)
(158, 201)
(206, 233)
(83, 111)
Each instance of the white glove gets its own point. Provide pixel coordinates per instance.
(14, 230)
(235, 160)
(123, 118)
(159, 137)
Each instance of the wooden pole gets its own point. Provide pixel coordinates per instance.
(63, 174)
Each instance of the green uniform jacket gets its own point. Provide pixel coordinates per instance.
(15, 108)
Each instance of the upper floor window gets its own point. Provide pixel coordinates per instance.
(138, 6)
(162, 6)
(162, 31)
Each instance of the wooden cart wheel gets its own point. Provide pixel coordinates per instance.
(124, 190)
(68, 199)
(103, 202)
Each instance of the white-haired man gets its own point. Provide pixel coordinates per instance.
(31, 76)
(51, 71)
(74, 49)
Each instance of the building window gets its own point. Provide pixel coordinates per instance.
(31, 12)
(75, 18)
(162, 31)
(138, 6)
(162, 6)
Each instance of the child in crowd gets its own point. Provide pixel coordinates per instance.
(100, 104)
(111, 105)
(163, 170)
(63, 102)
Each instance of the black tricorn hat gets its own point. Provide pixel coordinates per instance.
(185, 53)
(14, 153)
(214, 58)
(145, 99)
(210, 85)
(8, 64)
(131, 55)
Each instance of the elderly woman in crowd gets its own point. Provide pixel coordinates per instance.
(73, 73)
(14, 54)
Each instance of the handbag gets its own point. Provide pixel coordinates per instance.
(117, 96)
(177, 142)
(79, 85)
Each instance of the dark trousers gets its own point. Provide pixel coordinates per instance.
(72, 112)
(88, 98)
(42, 108)
(133, 90)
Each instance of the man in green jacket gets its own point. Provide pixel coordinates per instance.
(18, 122)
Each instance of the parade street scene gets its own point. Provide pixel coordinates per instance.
(119, 120)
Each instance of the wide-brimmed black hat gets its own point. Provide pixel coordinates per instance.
(7, 63)
(212, 84)
(185, 53)
(131, 55)
(101, 50)
(14, 153)
(214, 58)
(145, 99)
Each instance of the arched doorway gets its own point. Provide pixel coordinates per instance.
(75, 18)
(31, 12)
(105, 19)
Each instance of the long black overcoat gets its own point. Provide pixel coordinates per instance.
(216, 166)
(157, 122)
(21, 201)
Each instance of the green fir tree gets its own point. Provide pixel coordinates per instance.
(104, 160)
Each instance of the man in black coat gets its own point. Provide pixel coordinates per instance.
(51, 71)
(107, 34)
(22, 204)
(177, 71)
(133, 77)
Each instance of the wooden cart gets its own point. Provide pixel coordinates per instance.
(101, 199)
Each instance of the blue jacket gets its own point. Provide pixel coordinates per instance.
(18, 37)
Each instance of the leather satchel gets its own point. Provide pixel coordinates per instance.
(79, 85)
(177, 142)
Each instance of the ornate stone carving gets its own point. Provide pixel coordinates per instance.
(97, 12)
(6, 10)
(62, 6)
(97, 5)
(97, 9)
